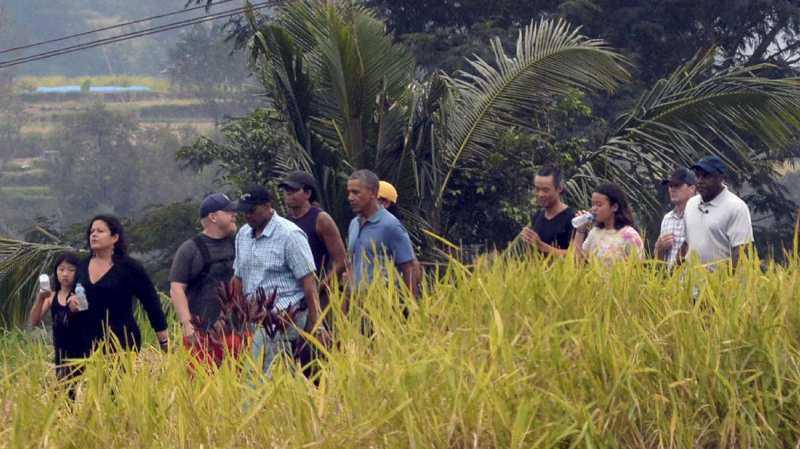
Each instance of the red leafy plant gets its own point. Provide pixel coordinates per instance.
(239, 316)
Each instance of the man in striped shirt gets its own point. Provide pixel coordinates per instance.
(273, 253)
(681, 186)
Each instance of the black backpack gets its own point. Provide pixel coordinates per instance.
(200, 278)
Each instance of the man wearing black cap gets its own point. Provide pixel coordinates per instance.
(681, 187)
(272, 253)
(300, 195)
(201, 263)
(718, 222)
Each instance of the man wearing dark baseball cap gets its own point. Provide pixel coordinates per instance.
(201, 263)
(300, 195)
(273, 254)
(718, 223)
(681, 187)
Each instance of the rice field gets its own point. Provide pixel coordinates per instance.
(507, 353)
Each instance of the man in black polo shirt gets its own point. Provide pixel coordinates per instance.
(551, 227)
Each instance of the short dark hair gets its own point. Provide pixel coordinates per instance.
(624, 215)
(115, 226)
(69, 257)
(312, 198)
(368, 178)
(554, 171)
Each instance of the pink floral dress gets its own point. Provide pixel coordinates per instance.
(611, 245)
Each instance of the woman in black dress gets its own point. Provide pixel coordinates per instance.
(111, 279)
(70, 339)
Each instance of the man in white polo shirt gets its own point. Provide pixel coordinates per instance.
(718, 222)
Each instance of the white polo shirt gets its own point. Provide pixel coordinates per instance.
(714, 228)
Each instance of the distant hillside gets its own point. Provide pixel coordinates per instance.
(39, 20)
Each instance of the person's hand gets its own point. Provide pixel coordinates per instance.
(584, 228)
(665, 242)
(189, 333)
(530, 236)
(72, 303)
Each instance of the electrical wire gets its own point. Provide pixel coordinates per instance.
(111, 27)
(134, 35)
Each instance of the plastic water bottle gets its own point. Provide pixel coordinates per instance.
(44, 282)
(80, 292)
(581, 220)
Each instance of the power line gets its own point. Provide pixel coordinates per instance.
(112, 27)
(133, 35)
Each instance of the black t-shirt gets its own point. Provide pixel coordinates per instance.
(556, 231)
(111, 301)
(201, 291)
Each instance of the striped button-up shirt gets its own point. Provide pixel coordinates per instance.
(278, 258)
(674, 224)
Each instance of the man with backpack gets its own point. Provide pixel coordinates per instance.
(202, 263)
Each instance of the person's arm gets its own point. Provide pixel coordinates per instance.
(410, 272)
(551, 250)
(311, 292)
(327, 229)
(739, 232)
(177, 294)
(144, 289)
(179, 275)
(41, 306)
(735, 251)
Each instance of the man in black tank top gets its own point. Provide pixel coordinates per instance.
(300, 195)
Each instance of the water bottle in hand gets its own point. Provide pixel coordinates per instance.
(80, 292)
(582, 220)
(44, 282)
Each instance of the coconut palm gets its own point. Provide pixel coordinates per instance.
(350, 98)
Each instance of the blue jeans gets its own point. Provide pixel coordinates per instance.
(269, 348)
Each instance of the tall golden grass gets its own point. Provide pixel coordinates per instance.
(508, 353)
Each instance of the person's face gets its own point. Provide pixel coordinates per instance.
(385, 203)
(65, 273)
(224, 220)
(295, 197)
(708, 184)
(602, 208)
(546, 191)
(100, 237)
(258, 216)
(359, 196)
(679, 193)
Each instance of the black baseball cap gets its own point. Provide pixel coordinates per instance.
(216, 202)
(299, 180)
(681, 176)
(252, 197)
(710, 164)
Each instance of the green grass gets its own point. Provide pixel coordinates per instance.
(505, 354)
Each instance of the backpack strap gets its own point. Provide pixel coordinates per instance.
(205, 255)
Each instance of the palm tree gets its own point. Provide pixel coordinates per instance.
(350, 99)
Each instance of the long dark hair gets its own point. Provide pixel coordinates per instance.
(624, 215)
(115, 226)
(68, 257)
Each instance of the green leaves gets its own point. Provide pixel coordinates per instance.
(551, 59)
(744, 118)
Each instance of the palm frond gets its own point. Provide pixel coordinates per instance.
(551, 58)
(735, 114)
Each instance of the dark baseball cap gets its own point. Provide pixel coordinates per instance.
(710, 164)
(216, 202)
(681, 176)
(252, 197)
(299, 180)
